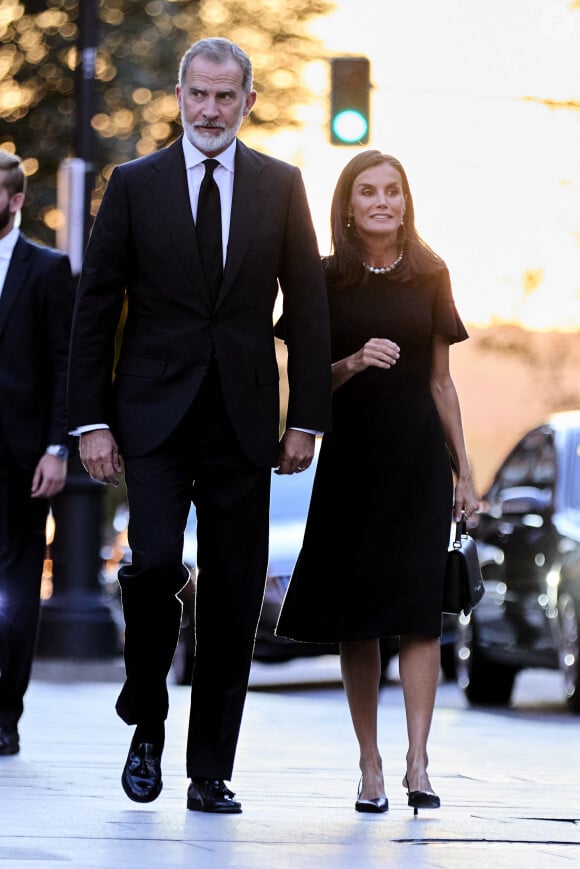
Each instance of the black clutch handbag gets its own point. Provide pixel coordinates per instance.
(463, 584)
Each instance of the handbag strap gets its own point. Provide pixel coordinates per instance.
(460, 531)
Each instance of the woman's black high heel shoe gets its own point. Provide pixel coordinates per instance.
(421, 799)
(376, 806)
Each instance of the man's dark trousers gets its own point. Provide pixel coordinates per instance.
(204, 463)
(22, 550)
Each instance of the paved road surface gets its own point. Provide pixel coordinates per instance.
(508, 780)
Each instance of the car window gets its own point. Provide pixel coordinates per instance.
(289, 500)
(532, 463)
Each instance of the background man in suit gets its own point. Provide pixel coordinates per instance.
(36, 301)
(194, 406)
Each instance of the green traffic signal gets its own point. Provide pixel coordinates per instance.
(350, 127)
(349, 91)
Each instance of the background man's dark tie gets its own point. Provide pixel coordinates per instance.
(209, 229)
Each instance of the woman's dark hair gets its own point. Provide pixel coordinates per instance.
(347, 247)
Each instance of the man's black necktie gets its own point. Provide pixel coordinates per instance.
(209, 229)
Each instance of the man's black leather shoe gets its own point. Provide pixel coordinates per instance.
(141, 777)
(9, 741)
(211, 795)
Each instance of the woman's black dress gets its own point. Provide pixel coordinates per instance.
(377, 533)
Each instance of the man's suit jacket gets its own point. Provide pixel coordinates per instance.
(35, 317)
(143, 242)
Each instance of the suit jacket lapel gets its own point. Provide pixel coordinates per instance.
(169, 184)
(247, 201)
(14, 280)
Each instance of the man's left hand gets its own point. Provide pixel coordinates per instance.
(295, 452)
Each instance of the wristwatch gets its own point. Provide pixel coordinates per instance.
(58, 451)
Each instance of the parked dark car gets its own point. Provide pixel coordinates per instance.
(528, 538)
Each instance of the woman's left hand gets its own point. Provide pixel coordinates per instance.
(466, 500)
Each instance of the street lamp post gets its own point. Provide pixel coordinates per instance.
(85, 99)
(75, 621)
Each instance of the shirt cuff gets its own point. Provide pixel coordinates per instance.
(83, 429)
(305, 430)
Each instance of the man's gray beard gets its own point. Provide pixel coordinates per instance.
(208, 141)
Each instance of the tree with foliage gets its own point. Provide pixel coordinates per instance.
(139, 47)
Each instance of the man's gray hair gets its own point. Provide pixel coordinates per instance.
(218, 50)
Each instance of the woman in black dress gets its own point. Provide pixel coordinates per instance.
(378, 527)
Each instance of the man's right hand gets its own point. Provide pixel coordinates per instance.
(100, 456)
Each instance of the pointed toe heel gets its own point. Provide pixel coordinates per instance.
(421, 799)
(376, 806)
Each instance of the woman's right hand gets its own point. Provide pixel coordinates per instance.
(380, 352)
(377, 352)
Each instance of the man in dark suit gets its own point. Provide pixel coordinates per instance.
(194, 405)
(36, 301)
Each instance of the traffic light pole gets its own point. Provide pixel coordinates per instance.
(75, 622)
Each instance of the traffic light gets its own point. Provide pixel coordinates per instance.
(349, 100)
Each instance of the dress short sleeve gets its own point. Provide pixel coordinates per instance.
(446, 320)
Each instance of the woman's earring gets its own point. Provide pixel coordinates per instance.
(348, 221)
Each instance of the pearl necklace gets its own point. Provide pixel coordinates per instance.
(384, 270)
